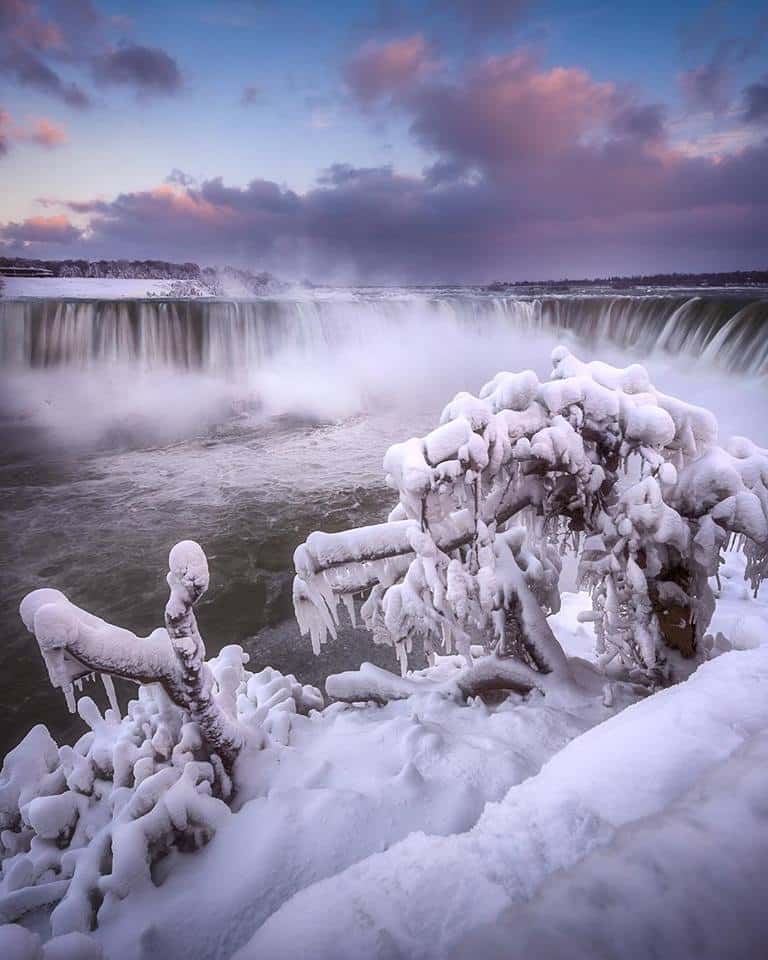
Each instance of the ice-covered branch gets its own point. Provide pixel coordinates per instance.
(75, 643)
(593, 460)
(488, 674)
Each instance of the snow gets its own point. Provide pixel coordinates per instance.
(667, 764)
(86, 288)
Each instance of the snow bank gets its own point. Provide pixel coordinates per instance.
(665, 764)
(351, 782)
(686, 883)
(87, 288)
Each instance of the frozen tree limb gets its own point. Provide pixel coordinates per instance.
(594, 461)
(489, 674)
(75, 644)
(81, 826)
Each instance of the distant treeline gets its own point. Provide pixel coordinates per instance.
(744, 278)
(145, 270)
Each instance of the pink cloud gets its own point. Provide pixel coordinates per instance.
(26, 26)
(507, 110)
(40, 130)
(45, 133)
(381, 69)
(55, 229)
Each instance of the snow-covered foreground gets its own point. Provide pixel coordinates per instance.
(609, 832)
(646, 836)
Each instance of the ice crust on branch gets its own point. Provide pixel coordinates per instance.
(81, 826)
(593, 460)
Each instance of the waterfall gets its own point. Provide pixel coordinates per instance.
(219, 337)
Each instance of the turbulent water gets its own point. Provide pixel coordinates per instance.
(128, 425)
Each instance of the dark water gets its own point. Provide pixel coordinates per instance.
(99, 527)
(125, 428)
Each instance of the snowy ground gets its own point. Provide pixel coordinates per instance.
(428, 829)
(646, 836)
(85, 288)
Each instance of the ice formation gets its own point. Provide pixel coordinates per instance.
(81, 826)
(595, 461)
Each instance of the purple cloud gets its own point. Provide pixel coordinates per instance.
(29, 70)
(251, 95)
(379, 70)
(36, 45)
(180, 178)
(148, 70)
(756, 102)
(40, 230)
(706, 87)
(488, 14)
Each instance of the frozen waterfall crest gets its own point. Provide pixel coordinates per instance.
(593, 460)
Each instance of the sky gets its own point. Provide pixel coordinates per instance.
(421, 142)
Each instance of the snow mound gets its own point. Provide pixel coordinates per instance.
(665, 764)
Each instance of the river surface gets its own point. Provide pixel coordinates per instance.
(126, 426)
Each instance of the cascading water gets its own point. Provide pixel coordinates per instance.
(221, 337)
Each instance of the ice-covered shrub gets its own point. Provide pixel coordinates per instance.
(83, 825)
(595, 461)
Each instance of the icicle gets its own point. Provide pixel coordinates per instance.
(349, 602)
(109, 686)
(69, 696)
(447, 637)
(402, 656)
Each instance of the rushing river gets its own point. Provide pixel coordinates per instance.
(129, 425)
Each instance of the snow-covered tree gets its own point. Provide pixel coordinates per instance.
(82, 825)
(593, 460)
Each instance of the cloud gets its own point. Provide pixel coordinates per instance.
(45, 133)
(706, 87)
(644, 121)
(180, 178)
(756, 102)
(5, 131)
(710, 85)
(487, 14)
(40, 130)
(40, 230)
(29, 70)
(148, 70)
(379, 70)
(39, 41)
(608, 212)
(28, 41)
(339, 174)
(251, 95)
